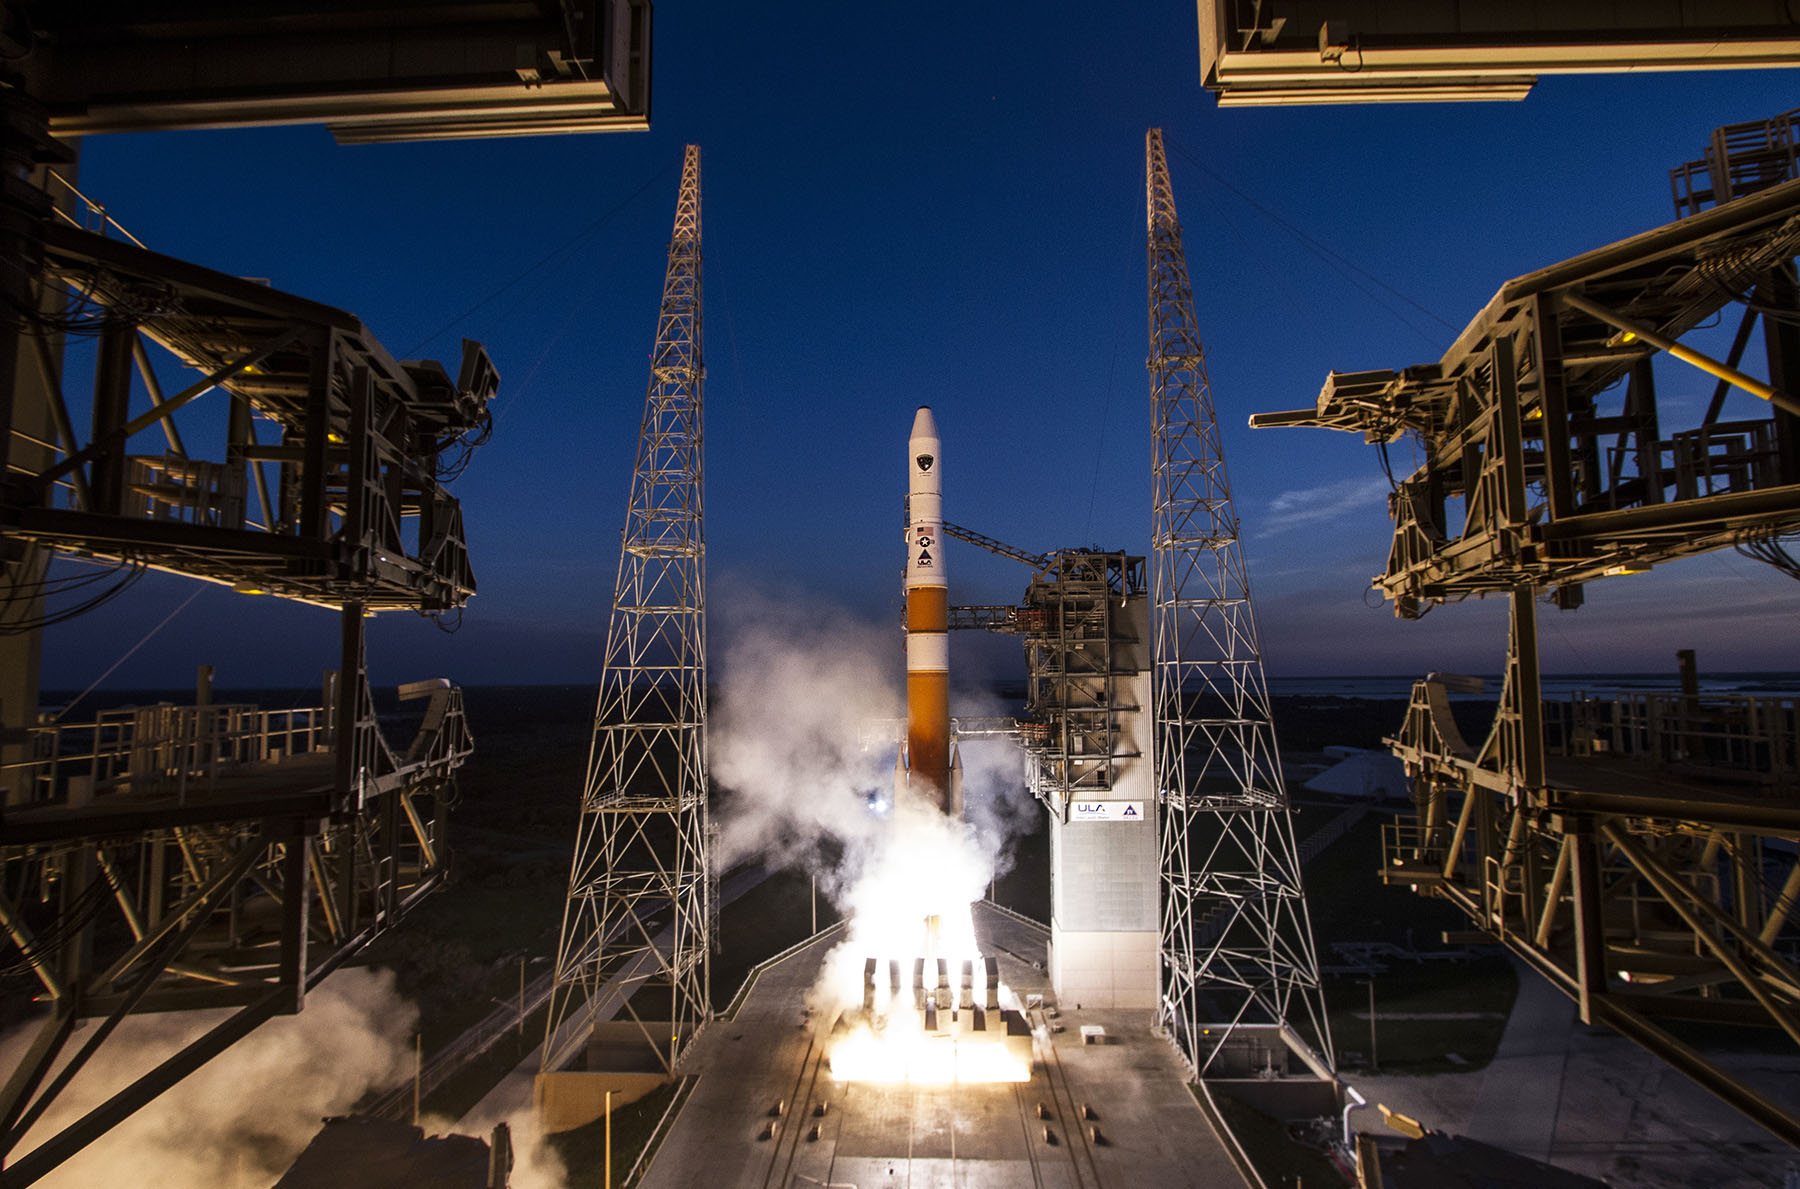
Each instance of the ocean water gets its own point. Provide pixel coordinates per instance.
(558, 700)
(1557, 687)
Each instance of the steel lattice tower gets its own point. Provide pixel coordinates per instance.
(1237, 945)
(640, 891)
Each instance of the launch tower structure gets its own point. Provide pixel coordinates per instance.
(636, 927)
(1237, 944)
(1636, 850)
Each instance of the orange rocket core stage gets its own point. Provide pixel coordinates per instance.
(928, 703)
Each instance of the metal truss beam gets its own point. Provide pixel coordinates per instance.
(643, 847)
(1236, 936)
(1083, 632)
(1646, 896)
(1025, 557)
(1620, 846)
(1548, 458)
(360, 510)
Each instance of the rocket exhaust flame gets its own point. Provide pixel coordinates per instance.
(907, 997)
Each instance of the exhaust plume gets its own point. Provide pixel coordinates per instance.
(238, 1121)
(803, 736)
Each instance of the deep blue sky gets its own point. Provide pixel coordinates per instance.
(904, 206)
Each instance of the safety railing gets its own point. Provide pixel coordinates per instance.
(1740, 159)
(187, 490)
(78, 210)
(160, 748)
(1755, 738)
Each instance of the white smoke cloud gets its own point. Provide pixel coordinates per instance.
(996, 800)
(796, 735)
(804, 737)
(240, 1120)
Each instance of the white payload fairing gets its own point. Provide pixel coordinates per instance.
(928, 764)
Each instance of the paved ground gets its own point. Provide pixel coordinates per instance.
(1594, 1103)
(511, 1097)
(966, 1137)
(1521, 1090)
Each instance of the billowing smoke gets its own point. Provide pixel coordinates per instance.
(804, 737)
(995, 798)
(242, 1118)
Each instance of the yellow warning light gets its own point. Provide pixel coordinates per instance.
(336, 439)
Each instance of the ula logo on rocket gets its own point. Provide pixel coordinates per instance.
(925, 461)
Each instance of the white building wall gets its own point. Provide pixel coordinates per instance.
(1105, 876)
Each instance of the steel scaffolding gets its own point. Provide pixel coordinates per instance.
(1082, 642)
(636, 927)
(1237, 944)
(1637, 853)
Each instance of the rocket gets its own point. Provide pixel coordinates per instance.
(928, 764)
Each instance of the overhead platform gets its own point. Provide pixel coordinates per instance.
(214, 856)
(1257, 53)
(384, 71)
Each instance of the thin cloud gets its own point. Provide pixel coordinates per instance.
(1310, 505)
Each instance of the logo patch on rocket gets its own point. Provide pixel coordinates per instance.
(925, 461)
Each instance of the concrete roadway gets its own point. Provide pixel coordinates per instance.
(958, 1137)
(1593, 1102)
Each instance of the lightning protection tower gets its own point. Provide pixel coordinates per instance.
(1237, 945)
(632, 970)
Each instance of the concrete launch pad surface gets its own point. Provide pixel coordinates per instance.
(966, 1137)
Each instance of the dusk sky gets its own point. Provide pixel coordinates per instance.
(944, 205)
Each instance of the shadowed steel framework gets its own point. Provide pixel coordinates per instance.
(640, 887)
(213, 856)
(1237, 944)
(1636, 852)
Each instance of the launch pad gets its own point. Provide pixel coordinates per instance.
(932, 1034)
(1107, 1102)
